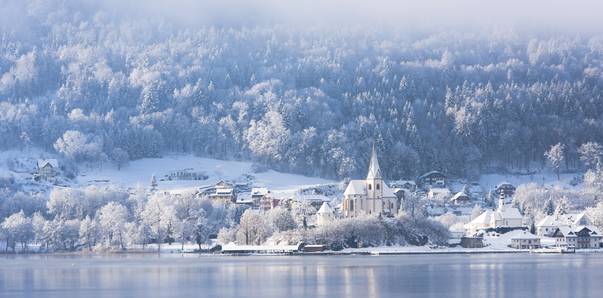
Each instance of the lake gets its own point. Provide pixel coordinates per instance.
(493, 275)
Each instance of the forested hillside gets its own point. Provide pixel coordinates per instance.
(94, 86)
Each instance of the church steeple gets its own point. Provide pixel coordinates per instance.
(374, 172)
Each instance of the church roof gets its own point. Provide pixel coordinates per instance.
(507, 213)
(482, 219)
(355, 187)
(374, 171)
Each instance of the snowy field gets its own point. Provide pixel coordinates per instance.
(20, 164)
(490, 181)
(139, 172)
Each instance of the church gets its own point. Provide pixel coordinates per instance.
(371, 196)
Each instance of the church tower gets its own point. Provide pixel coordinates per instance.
(374, 185)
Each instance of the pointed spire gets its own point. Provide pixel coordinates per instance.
(374, 171)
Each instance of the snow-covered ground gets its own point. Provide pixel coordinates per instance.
(139, 172)
(490, 181)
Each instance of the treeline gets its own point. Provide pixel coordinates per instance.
(93, 86)
(107, 219)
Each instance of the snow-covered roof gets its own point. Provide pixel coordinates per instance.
(482, 219)
(374, 172)
(504, 184)
(558, 220)
(224, 191)
(507, 212)
(388, 192)
(458, 195)
(259, 191)
(594, 231)
(44, 162)
(567, 231)
(355, 187)
(430, 173)
(325, 209)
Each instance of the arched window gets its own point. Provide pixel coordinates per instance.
(370, 186)
(377, 186)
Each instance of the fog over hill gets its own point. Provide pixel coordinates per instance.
(305, 87)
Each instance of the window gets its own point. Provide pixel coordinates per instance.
(377, 186)
(351, 205)
(370, 186)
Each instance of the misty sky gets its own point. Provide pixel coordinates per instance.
(548, 15)
(561, 14)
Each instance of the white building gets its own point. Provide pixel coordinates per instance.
(525, 241)
(578, 237)
(371, 196)
(505, 216)
(549, 224)
(324, 215)
(461, 198)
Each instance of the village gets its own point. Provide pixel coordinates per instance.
(476, 219)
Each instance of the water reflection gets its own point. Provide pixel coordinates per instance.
(344, 276)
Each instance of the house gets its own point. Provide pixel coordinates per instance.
(550, 223)
(46, 169)
(223, 192)
(406, 184)
(525, 241)
(260, 197)
(324, 215)
(370, 196)
(505, 216)
(433, 179)
(244, 199)
(461, 198)
(314, 200)
(472, 242)
(186, 174)
(578, 237)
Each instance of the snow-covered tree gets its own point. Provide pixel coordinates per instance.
(160, 216)
(549, 207)
(80, 147)
(112, 220)
(89, 232)
(120, 157)
(556, 157)
(591, 154)
(17, 228)
(253, 228)
(281, 219)
(153, 183)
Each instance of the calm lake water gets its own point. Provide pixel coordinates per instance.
(492, 275)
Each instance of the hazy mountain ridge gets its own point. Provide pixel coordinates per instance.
(92, 84)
